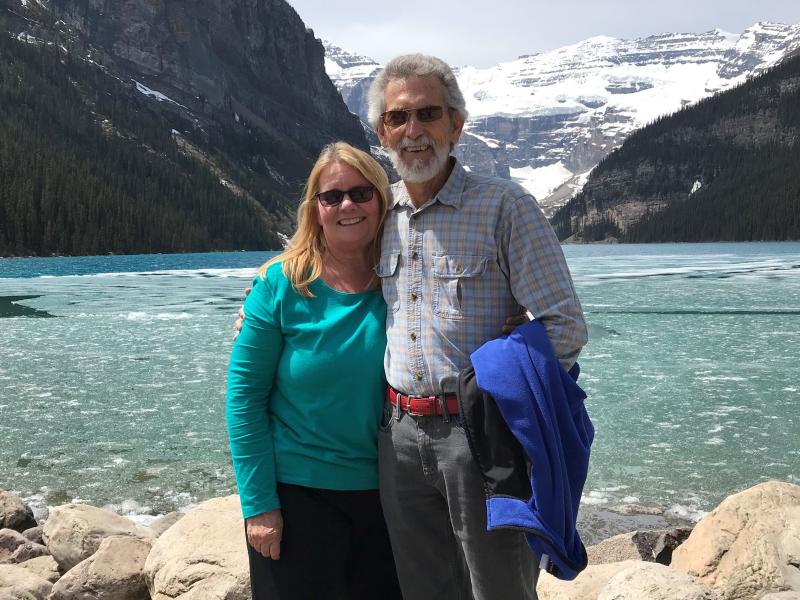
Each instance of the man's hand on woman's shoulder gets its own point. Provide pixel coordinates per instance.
(237, 324)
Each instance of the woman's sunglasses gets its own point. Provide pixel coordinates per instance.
(426, 114)
(359, 195)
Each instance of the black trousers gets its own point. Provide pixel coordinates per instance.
(335, 546)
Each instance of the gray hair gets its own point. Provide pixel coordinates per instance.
(410, 65)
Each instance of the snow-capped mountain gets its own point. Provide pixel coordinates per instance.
(547, 119)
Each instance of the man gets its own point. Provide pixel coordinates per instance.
(459, 254)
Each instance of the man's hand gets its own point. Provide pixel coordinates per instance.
(513, 321)
(264, 533)
(237, 324)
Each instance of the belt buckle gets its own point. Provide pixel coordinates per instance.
(408, 408)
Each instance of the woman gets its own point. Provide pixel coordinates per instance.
(305, 395)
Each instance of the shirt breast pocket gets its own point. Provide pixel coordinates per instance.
(386, 269)
(457, 284)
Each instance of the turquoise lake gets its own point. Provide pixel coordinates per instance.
(112, 374)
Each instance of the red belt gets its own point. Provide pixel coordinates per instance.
(422, 405)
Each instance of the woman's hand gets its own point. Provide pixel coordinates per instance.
(264, 533)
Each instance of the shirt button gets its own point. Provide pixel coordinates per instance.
(413, 336)
(418, 376)
(413, 297)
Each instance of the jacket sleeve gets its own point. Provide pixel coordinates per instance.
(251, 376)
(540, 279)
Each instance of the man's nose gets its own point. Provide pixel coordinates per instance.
(414, 127)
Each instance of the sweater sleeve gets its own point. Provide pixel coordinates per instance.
(251, 375)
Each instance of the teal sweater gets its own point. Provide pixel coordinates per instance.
(305, 390)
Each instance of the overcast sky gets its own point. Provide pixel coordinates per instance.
(491, 31)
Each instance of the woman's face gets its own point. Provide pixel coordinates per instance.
(348, 226)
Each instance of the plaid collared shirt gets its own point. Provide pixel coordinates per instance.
(453, 270)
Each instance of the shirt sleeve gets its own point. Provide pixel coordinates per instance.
(540, 279)
(251, 375)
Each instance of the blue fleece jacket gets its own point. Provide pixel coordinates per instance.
(543, 407)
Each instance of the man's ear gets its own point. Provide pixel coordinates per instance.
(457, 122)
(381, 131)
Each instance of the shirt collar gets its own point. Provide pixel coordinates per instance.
(450, 194)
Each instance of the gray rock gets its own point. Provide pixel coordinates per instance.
(10, 540)
(14, 513)
(73, 532)
(27, 551)
(17, 583)
(651, 546)
(114, 572)
(161, 524)
(34, 534)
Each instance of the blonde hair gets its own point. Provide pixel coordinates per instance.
(305, 251)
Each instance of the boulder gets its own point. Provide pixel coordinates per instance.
(17, 583)
(113, 572)
(34, 534)
(585, 586)
(164, 522)
(27, 551)
(749, 545)
(651, 546)
(45, 567)
(73, 532)
(10, 540)
(202, 557)
(652, 581)
(14, 513)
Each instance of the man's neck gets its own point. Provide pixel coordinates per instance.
(420, 193)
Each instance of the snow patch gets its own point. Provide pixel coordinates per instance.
(543, 181)
(143, 89)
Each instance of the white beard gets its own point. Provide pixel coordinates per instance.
(418, 171)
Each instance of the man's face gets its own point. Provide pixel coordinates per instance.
(418, 149)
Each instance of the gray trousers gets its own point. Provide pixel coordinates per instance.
(433, 501)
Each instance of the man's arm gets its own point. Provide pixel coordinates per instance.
(540, 279)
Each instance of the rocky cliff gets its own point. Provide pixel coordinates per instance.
(241, 83)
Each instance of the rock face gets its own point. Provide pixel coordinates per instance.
(14, 513)
(202, 556)
(17, 583)
(650, 581)
(73, 532)
(114, 572)
(749, 545)
(651, 546)
(254, 58)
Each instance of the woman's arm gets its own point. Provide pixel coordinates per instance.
(251, 374)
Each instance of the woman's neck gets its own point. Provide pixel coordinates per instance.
(347, 271)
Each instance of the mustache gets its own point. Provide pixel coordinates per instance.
(420, 141)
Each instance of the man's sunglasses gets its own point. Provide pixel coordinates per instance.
(358, 195)
(426, 114)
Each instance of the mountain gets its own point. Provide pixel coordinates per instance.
(724, 169)
(547, 119)
(230, 95)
